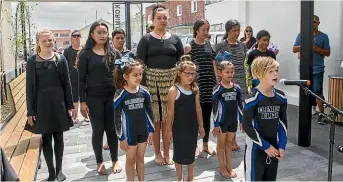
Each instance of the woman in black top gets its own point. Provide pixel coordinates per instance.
(70, 54)
(49, 100)
(160, 50)
(96, 89)
(204, 57)
(248, 39)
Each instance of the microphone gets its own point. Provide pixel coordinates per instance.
(295, 82)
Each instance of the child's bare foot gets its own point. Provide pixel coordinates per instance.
(232, 174)
(190, 179)
(235, 147)
(159, 160)
(106, 147)
(116, 167)
(101, 169)
(211, 153)
(223, 171)
(168, 161)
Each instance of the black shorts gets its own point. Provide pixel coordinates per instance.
(136, 138)
(229, 127)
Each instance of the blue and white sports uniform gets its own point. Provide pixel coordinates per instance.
(133, 115)
(227, 107)
(265, 123)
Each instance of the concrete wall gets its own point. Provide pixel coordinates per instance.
(282, 20)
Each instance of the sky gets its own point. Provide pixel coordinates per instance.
(69, 15)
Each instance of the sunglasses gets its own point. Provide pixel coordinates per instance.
(315, 22)
(248, 31)
(76, 36)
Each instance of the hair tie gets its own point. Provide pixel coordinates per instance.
(223, 55)
(124, 61)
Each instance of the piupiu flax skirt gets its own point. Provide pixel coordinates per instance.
(158, 82)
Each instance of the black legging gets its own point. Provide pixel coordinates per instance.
(102, 119)
(206, 116)
(48, 151)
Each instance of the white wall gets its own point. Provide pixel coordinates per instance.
(282, 20)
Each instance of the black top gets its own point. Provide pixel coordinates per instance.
(227, 105)
(257, 53)
(70, 54)
(203, 56)
(265, 119)
(95, 78)
(250, 43)
(132, 113)
(160, 54)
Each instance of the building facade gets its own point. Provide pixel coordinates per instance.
(62, 38)
(282, 21)
(181, 15)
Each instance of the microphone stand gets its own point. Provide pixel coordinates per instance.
(331, 117)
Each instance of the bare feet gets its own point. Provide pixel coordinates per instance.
(159, 160)
(101, 169)
(197, 153)
(211, 153)
(106, 147)
(232, 174)
(223, 171)
(235, 147)
(116, 167)
(168, 161)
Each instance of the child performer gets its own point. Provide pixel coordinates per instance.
(262, 50)
(226, 112)
(184, 117)
(133, 115)
(265, 123)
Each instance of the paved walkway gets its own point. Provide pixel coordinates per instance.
(79, 163)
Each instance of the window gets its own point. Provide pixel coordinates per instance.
(179, 10)
(194, 6)
(56, 35)
(64, 34)
(66, 42)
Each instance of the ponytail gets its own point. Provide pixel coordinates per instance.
(118, 77)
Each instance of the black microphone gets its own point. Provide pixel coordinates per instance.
(295, 82)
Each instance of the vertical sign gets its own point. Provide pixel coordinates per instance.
(118, 15)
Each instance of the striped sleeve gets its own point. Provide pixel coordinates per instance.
(249, 124)
(148, 111)
(119, 115)
(239, 104)
(282, 128)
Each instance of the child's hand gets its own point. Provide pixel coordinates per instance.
(124, 146)
(216, 131)
(202, 132)
(272, 152)
(149, 141)
(281, 154)
(241, 127)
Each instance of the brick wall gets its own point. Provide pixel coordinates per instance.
(187, 17)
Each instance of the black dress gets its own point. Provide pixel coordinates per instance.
(185, 127)
(52, 95)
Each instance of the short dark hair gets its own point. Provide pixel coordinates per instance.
(118, 31)
(157, 7)
(315, 16)
(262, 33)
(75, 31)
(197, 26)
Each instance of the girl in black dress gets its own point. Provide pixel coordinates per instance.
(49, 100)
(184, 117)
(96, 89)
(160, 51)
(133, 115)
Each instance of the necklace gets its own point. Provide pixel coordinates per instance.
(161, 37)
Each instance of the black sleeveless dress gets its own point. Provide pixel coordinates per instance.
(185, 127)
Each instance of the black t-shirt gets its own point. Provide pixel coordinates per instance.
(257, 53)
(160, 54)
(70, 54)
(95, 78)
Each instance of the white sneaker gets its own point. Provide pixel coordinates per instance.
(314, 112)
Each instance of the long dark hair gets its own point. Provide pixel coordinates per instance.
(228, 26)
(198, 24)
(109, 51)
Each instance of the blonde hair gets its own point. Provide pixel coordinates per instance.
(261, 65)
(186, 61)
(223, 64)
(38, 34)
